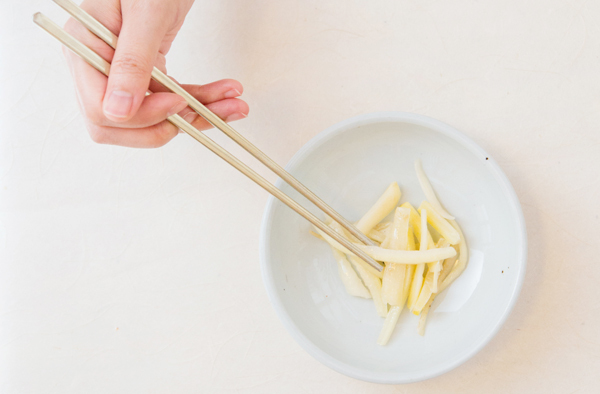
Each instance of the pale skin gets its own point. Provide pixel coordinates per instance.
(115, 108)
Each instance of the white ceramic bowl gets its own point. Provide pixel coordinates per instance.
(349, 165)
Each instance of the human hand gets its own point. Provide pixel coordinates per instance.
(116, 109)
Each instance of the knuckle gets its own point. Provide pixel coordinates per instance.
(98, 134)
(161, 62)
(164, 133)
(131, 64)
(95, 116)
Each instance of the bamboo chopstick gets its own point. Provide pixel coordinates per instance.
(111, 39)
(103, 66)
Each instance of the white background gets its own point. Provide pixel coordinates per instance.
(128, 270)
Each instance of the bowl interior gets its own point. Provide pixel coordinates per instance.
(349, 166)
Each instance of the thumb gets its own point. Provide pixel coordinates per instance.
(141, 35)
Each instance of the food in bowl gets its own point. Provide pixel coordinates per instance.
(423, 251)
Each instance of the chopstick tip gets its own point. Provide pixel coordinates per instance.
(37, 17)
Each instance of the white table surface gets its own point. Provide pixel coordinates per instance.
(136, 271)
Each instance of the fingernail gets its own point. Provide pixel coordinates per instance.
(177, 108)
(190, 117)
(235, 116)
(232, 93)
(118, 104)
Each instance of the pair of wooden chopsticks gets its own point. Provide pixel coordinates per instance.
(104, 67)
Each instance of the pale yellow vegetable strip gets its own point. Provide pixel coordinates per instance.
(460, 264)
(382, 226)
(393, 274)
(354, 286)
(436, 269)
(332, 241)
(342, 231)
(415, 222)
(392, 283)
(429, 284)
(450, 265)
(394, 256)
(447, 267)
(368, 268)
(399, 229)
(381, 209)
(415, 286)
(408, 277)
(335, 244)
(316, 235)
(379, 232)
(411, 240)
(372, 283)
(424, 295)
(423, 316)
(388, 325)
(407, 256)
(392, 288)
(429, 192)
(388, 237)
(417, 282)
(377, 235)
(410, 268)
(441, 225)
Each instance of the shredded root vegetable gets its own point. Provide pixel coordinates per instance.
(388, 325)
(354, 286)
(332, 242)
(416, 269)
(372, 283)
(316, 235)
(382, 226)
(377, 235)
(411, 239)
(399, 229)
(430, 283)
(460, 264)
(417, 281)
(379, 232)
(394, 256)
(428, 191)
(415, 222)
(423, 317)
(394, 277)
(407, 256)
(342, 231)
(384, 205)
(435, 269)
(410, 269)
(408, 277)
(392, 283)
(446, 268)
(393, 274)
(440, 224)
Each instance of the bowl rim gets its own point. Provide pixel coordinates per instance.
(434, 125)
